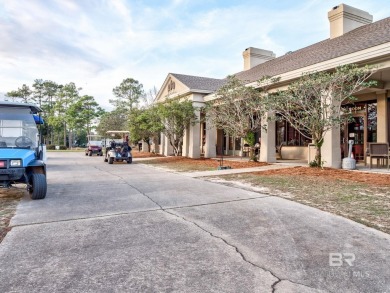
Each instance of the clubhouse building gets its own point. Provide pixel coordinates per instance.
(354, 38)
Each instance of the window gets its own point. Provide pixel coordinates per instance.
(288, 135)
(372, 121)
(238, 144)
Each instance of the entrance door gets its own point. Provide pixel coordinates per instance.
(355, 130)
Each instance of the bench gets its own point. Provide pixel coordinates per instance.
(379, 151)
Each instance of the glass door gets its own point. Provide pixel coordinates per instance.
(355, 130)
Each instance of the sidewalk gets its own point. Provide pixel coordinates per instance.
(280, 164)
(361, 168)
(274, 166)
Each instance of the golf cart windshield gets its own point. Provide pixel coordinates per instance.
(95, 143)
(17, 128)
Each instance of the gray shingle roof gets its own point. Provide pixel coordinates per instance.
(356, 40)
(200, 83)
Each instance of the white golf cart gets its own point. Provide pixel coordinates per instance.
(117, 147)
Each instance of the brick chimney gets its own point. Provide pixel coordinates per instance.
(344, 18)
(254, 56)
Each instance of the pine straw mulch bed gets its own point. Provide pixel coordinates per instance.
(137, 154)
(333, 174)
(9, 199)
(183, 164)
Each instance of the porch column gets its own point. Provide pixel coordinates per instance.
(162, 146)
(211, 141)
(382, 118)
(194, 139)
(155, 146)
(168, 149)
(145, 147)
(267, 147)
(186, 142)
(331, 149)
(227, 144)
(241, 153)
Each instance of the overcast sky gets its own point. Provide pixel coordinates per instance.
(98, 43)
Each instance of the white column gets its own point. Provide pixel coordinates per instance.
(162, 149)
(145, 147)
(155, 147)
(242, 147)
(382, 132)
(227, 144)
(194, 139)
(186, 142)
(211, 141)
(267, 149)
(168, 149)
(330, 150)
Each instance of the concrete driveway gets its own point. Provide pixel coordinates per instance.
(134, 228)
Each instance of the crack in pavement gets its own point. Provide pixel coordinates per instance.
(273, 287)
(170, 212)
(86, 218)
(241, 254)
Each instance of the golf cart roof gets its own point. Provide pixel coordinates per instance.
(118, 132)
(34, 108)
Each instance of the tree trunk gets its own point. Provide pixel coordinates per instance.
(148, 142)
(64, 134)
(318, 157)
(70, 139)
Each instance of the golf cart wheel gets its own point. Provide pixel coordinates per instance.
(105, 159)
(129, 160)
(111, 160)
(90, 153)
(38, 186)
(86, 154)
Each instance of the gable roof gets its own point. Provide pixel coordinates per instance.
(200, 83)
(364, 37)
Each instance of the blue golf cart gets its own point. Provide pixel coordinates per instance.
(22, 154)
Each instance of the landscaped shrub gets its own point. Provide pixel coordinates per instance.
(314, 164)
(63, 147)
(50, 147)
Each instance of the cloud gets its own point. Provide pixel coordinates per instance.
(98, 43)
